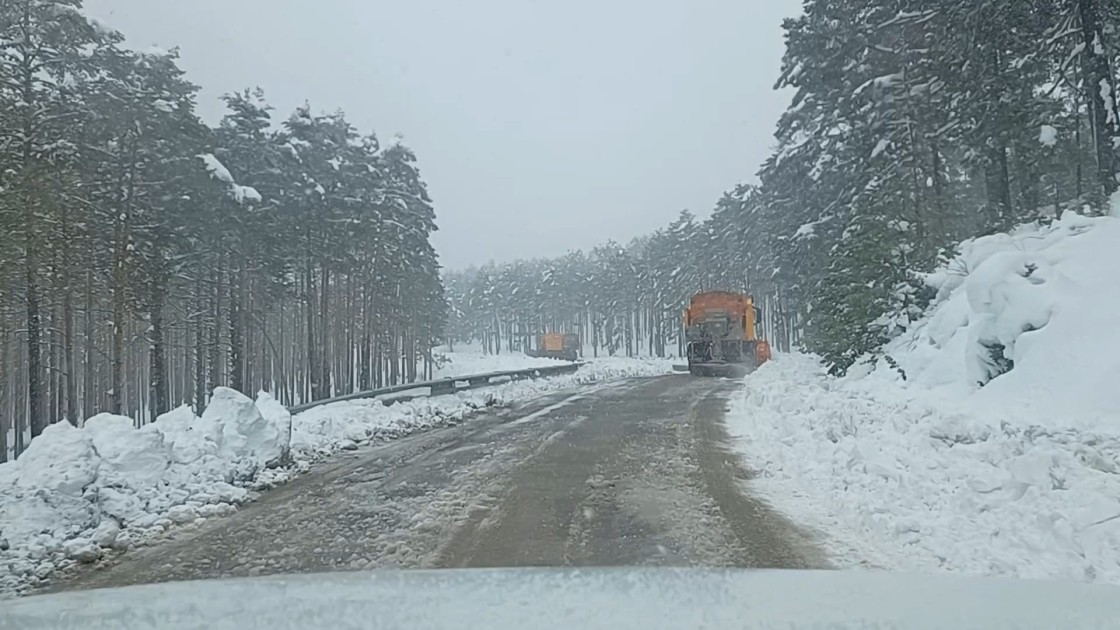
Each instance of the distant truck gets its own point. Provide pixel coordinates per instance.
(721, 334)
(563, 346)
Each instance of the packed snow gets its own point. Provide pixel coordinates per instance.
(241, 194)
(75, 494)
(102, 27)
(1048, 135)
(1018, 477)
(215, 167)
(218, 171)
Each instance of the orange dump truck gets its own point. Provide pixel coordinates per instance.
(721, 334)
(557, 346)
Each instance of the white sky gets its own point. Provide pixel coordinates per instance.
(540, 125)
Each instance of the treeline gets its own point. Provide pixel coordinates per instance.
(622, 300)
(146, 257)
(914, 124)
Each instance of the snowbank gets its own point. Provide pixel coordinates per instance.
(1018, 477)
(77, 492)
(1048, 297)
(107, 485)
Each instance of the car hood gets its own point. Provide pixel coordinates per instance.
(577, 598)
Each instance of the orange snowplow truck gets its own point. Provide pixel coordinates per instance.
(721, 334)
(557, 346)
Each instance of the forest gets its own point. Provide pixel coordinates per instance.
(913, 125)
(147, 257)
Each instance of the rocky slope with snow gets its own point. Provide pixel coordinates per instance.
(79, 493)
(962, 465)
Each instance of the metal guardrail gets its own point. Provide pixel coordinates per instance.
(449, 385)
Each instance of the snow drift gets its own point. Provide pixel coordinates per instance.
(75, 493)
(963, 466)
(1046, 301)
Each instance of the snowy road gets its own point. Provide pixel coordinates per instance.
(628, 473)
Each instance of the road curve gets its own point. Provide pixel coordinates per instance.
(628, 473)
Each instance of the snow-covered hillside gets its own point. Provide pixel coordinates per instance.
(1018, 477)
(76, 493)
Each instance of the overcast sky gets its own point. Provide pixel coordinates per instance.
(540, 125)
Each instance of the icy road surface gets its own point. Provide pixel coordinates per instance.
(628, 473)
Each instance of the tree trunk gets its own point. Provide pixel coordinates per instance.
(5, 412)
(19, 402)
(394, 354)
(35, 418)
(365, 353)
(199, 346)
(69, 369)
(594, 338)
(89, 404)
(378, 363)
(1100, 86)
(497, 334)
(324, 336)
(216, 321)
(121, 248)
(285, 383)
(157, 361)
(309, 306)
(236, 330)
(1079, 171)
(998, 188)
(53, 369)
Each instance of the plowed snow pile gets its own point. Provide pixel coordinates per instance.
(1020, 476)
(75, 493)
